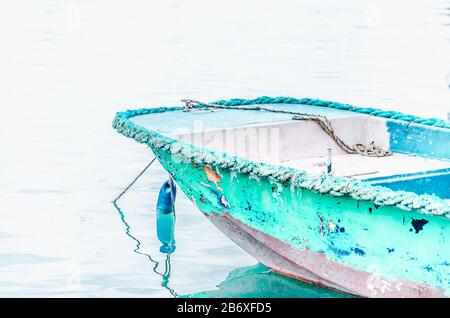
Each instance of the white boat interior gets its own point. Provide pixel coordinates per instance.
(360, 167)
(304, 145)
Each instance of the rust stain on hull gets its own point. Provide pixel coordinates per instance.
(213, 177)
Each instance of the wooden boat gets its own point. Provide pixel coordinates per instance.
(355, 199)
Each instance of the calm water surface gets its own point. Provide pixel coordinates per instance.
(68, 66)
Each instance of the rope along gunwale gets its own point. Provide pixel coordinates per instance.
(325, 184)
(370, 151)
(436, 122)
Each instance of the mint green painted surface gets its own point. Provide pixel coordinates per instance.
(394, 234)
(379, 239)
(324, 184)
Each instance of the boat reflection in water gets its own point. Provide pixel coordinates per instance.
(165, 226)
(256, 281)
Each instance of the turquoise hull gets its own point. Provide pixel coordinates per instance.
(391, 243)
(349, 242)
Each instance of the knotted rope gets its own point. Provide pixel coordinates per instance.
(370, 150)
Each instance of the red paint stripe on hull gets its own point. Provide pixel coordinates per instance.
(311, 267)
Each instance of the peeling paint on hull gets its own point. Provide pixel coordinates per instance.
(315, 268)
(355, 247)
(340, 232)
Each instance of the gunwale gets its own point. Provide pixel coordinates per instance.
(324, 184)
